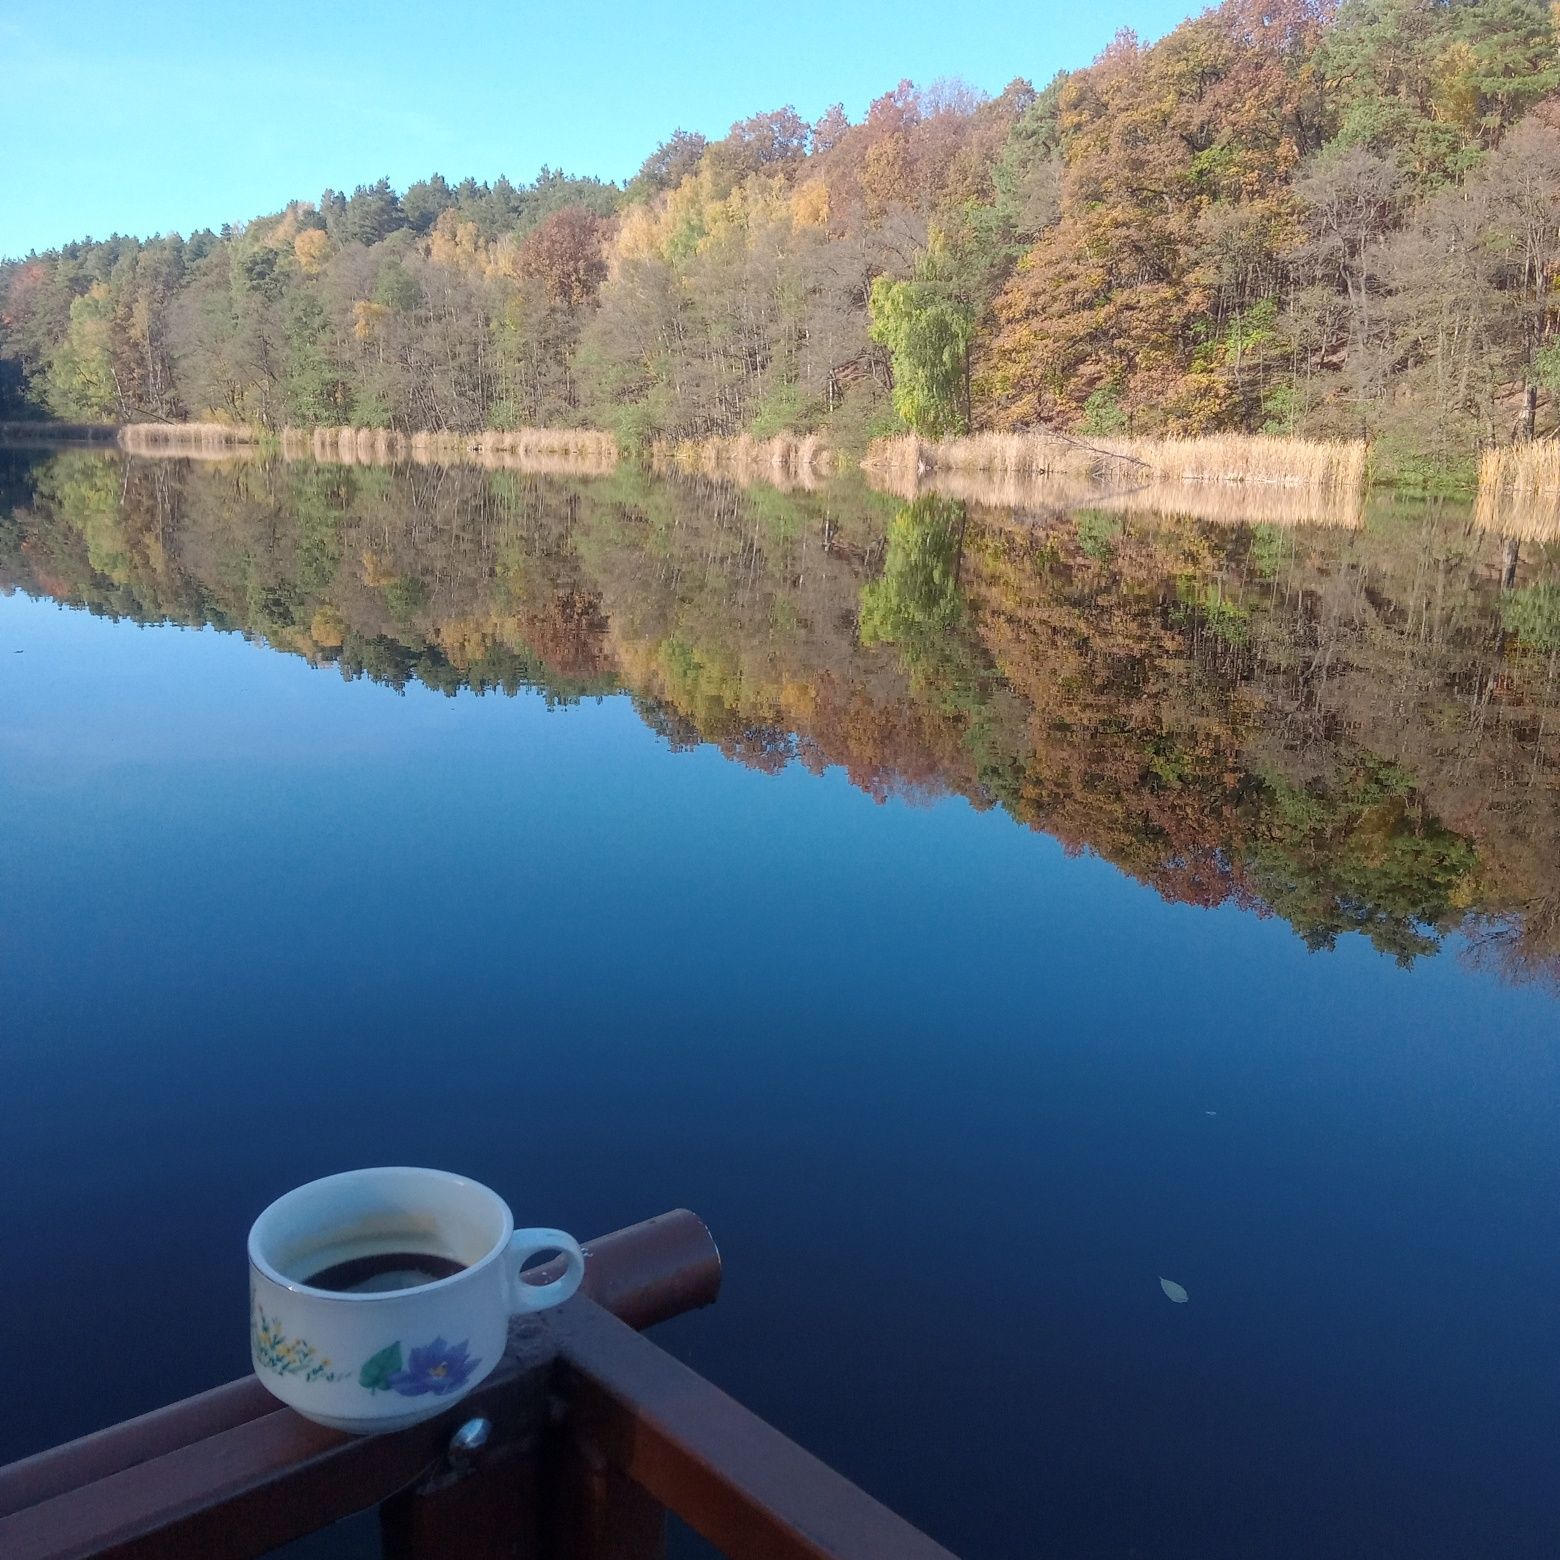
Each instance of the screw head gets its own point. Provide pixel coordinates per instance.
(470, 1439)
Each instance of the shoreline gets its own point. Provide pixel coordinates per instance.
(1297, 481)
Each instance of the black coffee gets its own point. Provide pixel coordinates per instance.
(388, 1270)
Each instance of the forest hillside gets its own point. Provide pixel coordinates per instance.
(1293, 217)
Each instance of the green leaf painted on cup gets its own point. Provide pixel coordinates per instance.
(377, 1373)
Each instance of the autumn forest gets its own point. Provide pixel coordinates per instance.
(1294, 217)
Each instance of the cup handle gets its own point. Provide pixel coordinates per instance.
(523, 1245)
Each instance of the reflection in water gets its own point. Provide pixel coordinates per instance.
(1352, 727)
(1525, 517)
(1219, 503)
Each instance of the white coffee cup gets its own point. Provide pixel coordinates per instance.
(368, 1362)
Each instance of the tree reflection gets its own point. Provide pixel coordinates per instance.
(1352, 728)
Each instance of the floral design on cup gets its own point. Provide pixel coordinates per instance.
(436, 1368)
(287, 1356)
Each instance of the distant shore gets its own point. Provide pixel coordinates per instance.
(1275, 478)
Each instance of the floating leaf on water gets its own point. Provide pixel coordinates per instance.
(1174, 1291)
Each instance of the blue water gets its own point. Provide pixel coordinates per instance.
(951, 1100)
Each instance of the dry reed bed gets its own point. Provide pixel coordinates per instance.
(1250, 460)
(1241, 504)
(544, 451)
(785, 461)
(1231, 503)
(1523, 470)
(1519, 491)
(1530, 518)
(203, 439)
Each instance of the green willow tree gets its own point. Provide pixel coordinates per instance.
(927, 324)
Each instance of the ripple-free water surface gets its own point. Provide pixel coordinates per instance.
(954, 1097)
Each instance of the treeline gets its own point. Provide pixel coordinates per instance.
(1291, 217)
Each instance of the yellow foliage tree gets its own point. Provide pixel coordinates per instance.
(311, 248)
(810, 204)
(367, 317)
(457, 244)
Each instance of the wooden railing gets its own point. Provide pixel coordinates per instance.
(575, 1448)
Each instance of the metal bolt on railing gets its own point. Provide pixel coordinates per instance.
(467, 1442)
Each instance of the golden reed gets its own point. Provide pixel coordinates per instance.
(1519, 491)
(545, 451)
(1225, 478)
(192, 440)
(786, 461)
(1231, 503)
(561, 451)
(1266, 460)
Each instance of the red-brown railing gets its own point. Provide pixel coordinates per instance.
(575, 1448)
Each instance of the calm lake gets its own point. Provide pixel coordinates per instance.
(976, 914)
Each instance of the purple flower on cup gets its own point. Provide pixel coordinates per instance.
(436, 1367)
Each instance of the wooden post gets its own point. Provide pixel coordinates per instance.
(594, 1511)
(489, 1512)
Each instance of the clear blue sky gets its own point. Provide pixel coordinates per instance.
(173, 116)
